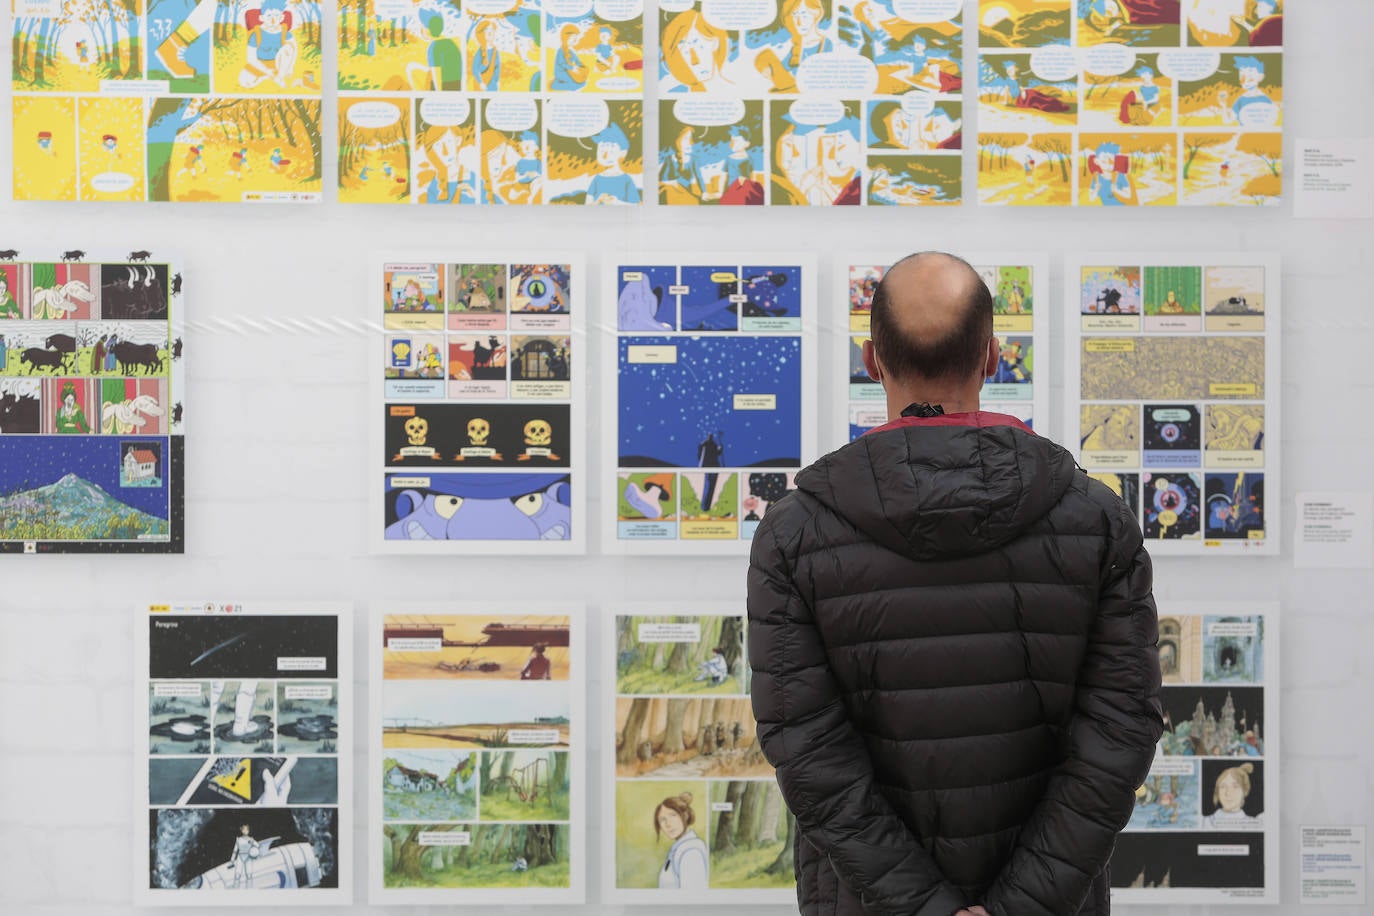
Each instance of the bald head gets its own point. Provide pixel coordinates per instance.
(932, 319)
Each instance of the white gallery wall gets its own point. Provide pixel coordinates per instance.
(280, 360)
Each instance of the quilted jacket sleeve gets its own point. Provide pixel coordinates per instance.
(1117, 721)
(823, 767)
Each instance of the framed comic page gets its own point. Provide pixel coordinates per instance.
(1172, 393)
(478, 433)
(92, 402)
(708, 405)
(243, 710)
(1019, 284)
(692, 811)
(477, 761)
(1205, 828)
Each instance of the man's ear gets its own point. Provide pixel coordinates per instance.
(875, 371)
(993, 354)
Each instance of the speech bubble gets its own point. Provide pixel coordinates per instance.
(734, 15)
(489, 7)
(445, 112)
(373, 114)
(619, 10)
(577, 116)
(708, 112)
(567, 9)
(618, 84)
(816, 111)
(1054, 63)
(1258, 114)
(1171, 415)
(112, 182)
(918, 103)
(1108, 60)
(1190, 64)
(392, 9)
(927, 10)
(512, 114)
(844, 75)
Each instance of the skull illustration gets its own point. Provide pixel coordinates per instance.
(538, 432)
(417, 428)
(478, 431)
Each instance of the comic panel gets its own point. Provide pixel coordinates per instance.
(477, 297)
(418, 53)
(238, 780)
(1013, 378)
(286, 646)
(1234, 298)
(468, 856)
(1180, 649)
(1213, 721)
(1233, 649)
(308, 718)
(680, 655)
(819, 158)
(1253, 24)
(595, 151)
(1170, 798)
(1233, 168)
(243, 716)
(1126, 486)
(44, 142)
(1109, 435)
(913, 180)
(1023, 23)
(1233, 796)
(648, 298)
(863, 281)
(179, 717)
(1234, 436)
(1025, 168)
(130, 406)
(662, 828)
(478, 506)
(1173, 436)
(243, 848)
(1200, 367)
(21, 405)
(710, 506)
(476, 435)
(512, 155)
(746, 414)
(753, 833)
(539, 297)
(478, 366)
(541, 368)
(475, 647)
(1013, 299)
(1028, 91)
(59, 290)
(1128, 22)
(415, 365)
(105, 489)
(1125, 90)
(601, 50)
(1235, 506)
(761, 491)
(374, 147)
(677, 737)
(430, 785)
(424, 715)
(444, 161)
(1243, 91)
(1188, 860)
(414, 297)
(525, 786)
(111, 146)
(711, 152)
(1120, 169)
(1172, 505)
(769, 298)
(710, 298)
(647, 506)
(1109, 298)
(1172, 299)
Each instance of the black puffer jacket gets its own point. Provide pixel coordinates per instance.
(955, 671)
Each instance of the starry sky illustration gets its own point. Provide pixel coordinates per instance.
(36, 461)
(666, 410)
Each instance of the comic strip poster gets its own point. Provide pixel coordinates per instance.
(478, 752)
(167, 100)
(1172, 385)
(478, 432)
(1112, 103)
(244, 774)
(692, 811)
(709, 409)
(491, 102)
(1205, 828)
(810, 103)
(92, 402)
(1019, 286)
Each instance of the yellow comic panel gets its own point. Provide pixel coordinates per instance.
(374, 150)
(111, 148)
(44, 148)
(272, 48)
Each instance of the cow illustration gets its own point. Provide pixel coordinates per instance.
(140, 255)
(76, 254)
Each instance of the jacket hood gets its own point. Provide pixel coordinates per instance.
(946, 486)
